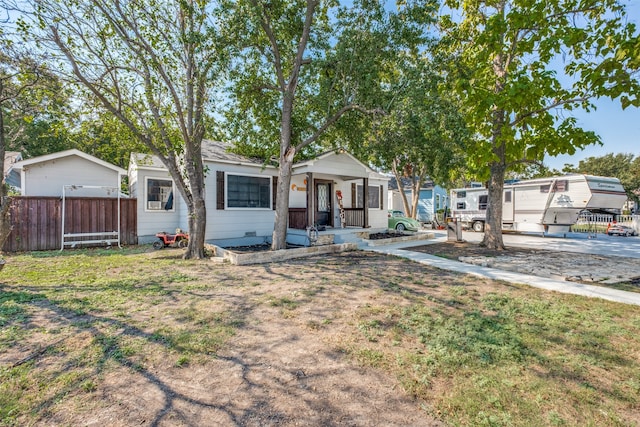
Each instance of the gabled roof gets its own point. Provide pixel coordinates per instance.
(212, 151)
(313, 166)
(221, 152)
(68, 153)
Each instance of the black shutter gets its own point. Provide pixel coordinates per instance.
(274, 190)
(220, 190)
(353, 196)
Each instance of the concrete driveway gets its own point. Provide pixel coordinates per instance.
(601, 244)
(579, 243)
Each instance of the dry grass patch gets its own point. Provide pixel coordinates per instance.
(135, 337)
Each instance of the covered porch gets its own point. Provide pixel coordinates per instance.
(331, 203)
(336, 191)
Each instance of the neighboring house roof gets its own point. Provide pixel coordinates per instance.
(11, 175)
(68, 153)
(10, 157)
(406, 184)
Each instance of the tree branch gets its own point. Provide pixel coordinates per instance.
(331, 120)
(265, 23)
(558, 103)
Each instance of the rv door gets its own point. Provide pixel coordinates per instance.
(507, 205)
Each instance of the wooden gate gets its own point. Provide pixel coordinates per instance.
(36, 221)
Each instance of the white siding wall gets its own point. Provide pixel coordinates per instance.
(133, 180)
(378, 218)
(339, 165)
(233, 223)
(230, 223)
(298, 194)
(48, 178)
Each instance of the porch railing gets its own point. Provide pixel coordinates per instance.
(354, 217)
(298, 218)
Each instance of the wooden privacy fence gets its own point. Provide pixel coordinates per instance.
(36, 221)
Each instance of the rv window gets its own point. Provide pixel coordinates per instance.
(507, 196)
(482, 202)
(545, 188)
(562, 185)
(461, 205)
(461, 194)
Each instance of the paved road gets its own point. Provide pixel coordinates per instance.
(603, 245)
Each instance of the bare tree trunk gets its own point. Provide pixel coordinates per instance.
(279, 238)
(415, 191)
(287, 154)
(403, 196)
(197, 226)
(5, 202)
(493, 225)
(415, 199)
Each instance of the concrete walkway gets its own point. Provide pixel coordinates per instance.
(492, 273)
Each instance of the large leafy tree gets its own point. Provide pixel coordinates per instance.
(303, 65)
(36, 116)
(27, 96)
(422, 135)
(505, 52)
(103, 135)
(152, 65)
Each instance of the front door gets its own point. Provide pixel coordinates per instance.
(323, 203)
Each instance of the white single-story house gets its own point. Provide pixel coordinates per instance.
(81, 174)
(432, 198)
(240, 196)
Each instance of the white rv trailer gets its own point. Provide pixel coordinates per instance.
(546, 205)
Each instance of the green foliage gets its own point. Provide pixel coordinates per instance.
(34, 102)
(423, 133)
(513, 100)
(504, 53)
(346, 62)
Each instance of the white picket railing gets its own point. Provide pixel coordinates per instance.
(597, 223)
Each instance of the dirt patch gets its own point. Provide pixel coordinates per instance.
(385, 235)
(287, 364)
(455, 250)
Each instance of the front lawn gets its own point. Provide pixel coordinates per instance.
(143, 337)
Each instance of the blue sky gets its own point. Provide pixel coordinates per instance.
(618, 129)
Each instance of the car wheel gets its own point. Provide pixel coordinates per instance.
(400, 226)
(610, 234)
(478, 226)
(158, 245)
